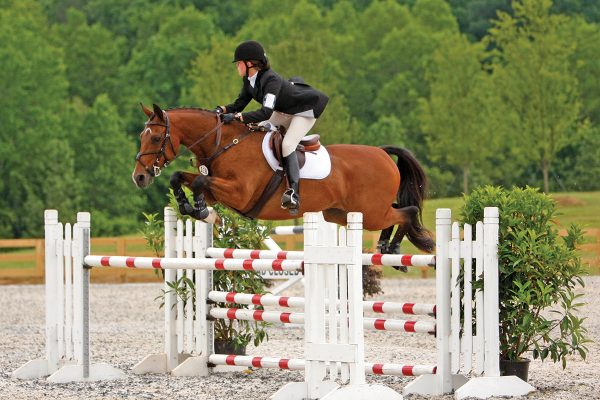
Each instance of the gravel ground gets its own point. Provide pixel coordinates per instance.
(126, 325)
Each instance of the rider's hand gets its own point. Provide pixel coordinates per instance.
(227, 118)
(265, 125)
(220, 109)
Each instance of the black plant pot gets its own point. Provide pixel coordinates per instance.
(225, 347)
(519, 368)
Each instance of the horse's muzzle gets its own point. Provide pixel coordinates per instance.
(142, 179)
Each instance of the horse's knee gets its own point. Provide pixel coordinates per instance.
(199, 184)
(176, 179)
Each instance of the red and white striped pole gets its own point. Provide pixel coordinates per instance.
(298, 318)
(398, 260)
(266, 300)
(298, 364)
(214, 264)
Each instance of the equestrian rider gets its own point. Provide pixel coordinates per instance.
(294, 105)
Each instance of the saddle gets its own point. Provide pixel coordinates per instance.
(308, 143)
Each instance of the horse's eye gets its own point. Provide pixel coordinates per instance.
(156, 139)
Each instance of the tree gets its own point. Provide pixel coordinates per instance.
(157, 69)
(93, 56)
(578, 164)
(586, 37)
(104, 163)
(589, 9)
(533, 74)
(397, 69)
(456, 116)
(365, 75)
(475, 16)
(388, 130)
(35, 159)
(134, 20)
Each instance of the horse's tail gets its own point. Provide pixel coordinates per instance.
(413, 183)
(413, 186)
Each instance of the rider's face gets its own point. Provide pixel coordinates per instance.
(241, 67)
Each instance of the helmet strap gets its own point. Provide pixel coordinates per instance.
(248, 65)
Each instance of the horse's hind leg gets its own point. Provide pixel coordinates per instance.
(415, 232)
(407, 220)
(384, 237)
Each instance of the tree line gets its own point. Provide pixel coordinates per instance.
(482, 91)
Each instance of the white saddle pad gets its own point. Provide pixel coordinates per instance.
(317, 166)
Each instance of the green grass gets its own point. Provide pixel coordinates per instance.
(582, 208)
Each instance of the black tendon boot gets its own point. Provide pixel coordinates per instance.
(291, 197)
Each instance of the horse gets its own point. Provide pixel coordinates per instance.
(234, 173)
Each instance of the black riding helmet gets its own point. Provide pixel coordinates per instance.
(250, 50)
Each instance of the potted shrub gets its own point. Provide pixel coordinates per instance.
(230, 336)
(235, 231)
(539, 273)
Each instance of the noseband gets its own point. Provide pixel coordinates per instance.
(156, 169)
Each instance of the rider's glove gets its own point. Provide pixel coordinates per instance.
(227, 118)
(265, 126)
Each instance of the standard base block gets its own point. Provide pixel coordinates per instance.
(427, 385)
(363, 392)
(33, 369)
(74, 373)
(329, 390)
(298, 391)
(152, 364)
(192, 366)
(485, 387)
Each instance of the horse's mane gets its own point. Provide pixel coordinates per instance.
(189, 108)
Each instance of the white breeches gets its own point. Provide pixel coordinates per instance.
(297, 127)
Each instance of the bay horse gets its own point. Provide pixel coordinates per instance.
(363, 178)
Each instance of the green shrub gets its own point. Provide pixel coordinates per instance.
(234, 231)
(539, 272)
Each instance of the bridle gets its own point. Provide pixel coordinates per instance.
(155, 169)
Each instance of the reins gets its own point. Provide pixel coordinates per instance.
(156, 170)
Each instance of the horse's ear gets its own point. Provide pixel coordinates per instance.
(146, 110)
(158, 111)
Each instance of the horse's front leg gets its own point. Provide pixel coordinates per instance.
(185, 178)
(199, 185)
(230, 192)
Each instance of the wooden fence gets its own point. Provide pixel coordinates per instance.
(31, 268)
(31, 258)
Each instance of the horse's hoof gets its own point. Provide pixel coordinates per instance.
(382, 247)
(401, 268)
(200, 214)
(186, 209)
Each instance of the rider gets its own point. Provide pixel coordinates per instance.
(292, 104)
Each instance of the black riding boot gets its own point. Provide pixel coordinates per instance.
(291, 197)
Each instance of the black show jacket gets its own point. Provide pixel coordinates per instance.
(277, 94)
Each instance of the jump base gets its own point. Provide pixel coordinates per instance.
(74, 373)
(485, 387)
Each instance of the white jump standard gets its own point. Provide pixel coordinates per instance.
(331, 310)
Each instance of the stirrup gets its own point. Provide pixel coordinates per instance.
(290, 200)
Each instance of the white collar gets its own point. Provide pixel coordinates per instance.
(252, 79)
